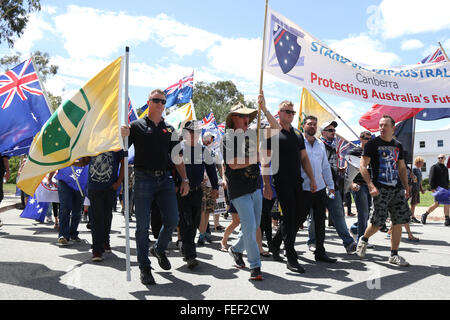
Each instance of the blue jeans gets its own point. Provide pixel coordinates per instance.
(70, 206)
(162, 189)
(249, 207)
(363, 202)
(336, 213)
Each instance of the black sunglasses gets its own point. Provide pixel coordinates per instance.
(441, 158)
(365, 138)
(330, 130)
(157, 100)
(243, 116)
(289, 111)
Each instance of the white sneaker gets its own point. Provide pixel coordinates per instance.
(399, 261)
(361, 248)
(312, 247)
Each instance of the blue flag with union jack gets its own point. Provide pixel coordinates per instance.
(23, 107)
(180, 92)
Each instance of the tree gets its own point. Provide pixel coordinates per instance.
(14, 18)
(217, 97)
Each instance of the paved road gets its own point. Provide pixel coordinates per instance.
(32, 266)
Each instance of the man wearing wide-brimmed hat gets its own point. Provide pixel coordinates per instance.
(243, 178)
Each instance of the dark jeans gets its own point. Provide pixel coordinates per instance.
(317, 203)
(101, 217)
(266, 219)
(155, 220)
(70, 206)
(190, 212)
(290, 196)
(146, 189)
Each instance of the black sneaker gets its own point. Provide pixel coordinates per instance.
(237, 257)
(447, 221)
(192, 263)
(162, 259)
(424, 218)
(255, 274)
(146, 276)
(414, 220)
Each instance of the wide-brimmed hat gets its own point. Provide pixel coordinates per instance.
(240, 109)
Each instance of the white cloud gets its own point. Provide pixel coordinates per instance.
(395, 18)
(34, 32)
(411, 44)
(362, 48)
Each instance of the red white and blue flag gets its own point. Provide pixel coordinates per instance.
(180, 92)
(343, 147)
(437, 56)
(132, 115)
(208, 121)
(23, 107)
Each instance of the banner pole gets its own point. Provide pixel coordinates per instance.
(125, 183)
(334, 112)
(261, 77)
(76, 180)
(443, 51)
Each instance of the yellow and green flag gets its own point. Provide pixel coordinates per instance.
(310, 107)
(85, 125)
(178, 117)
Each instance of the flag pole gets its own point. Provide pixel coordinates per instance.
(262, 73)
(334, 112)
(76, 180)
(125, 161)
(443, 51)
(42, 85)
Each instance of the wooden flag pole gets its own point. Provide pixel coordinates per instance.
(261, 77)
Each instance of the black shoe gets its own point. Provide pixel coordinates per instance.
(255, 274)
(275, 253)
(146, 276)
(424, 218)
(192, 263)
(295, 267)
(237, 257)
(162, 259)
(447, 222)
(384, 228)
(325, 258)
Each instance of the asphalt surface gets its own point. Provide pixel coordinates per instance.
(33, 266)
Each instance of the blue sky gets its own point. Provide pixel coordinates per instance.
(221, 40)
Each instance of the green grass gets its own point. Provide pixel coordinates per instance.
(426, 199)
(9, 188)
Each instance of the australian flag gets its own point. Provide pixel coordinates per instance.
(131, 112)
(180, 92)
(66, 175)
(23, 108)
(35, 210)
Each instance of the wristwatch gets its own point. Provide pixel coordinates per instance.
(186, 180)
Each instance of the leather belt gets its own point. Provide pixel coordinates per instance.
(154, 173)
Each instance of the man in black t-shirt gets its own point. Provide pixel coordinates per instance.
(288, 186)
(153, 145)
(388, 187)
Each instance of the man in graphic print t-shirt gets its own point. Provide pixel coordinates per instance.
(388, 186)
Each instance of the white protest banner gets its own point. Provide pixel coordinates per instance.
(294, 55)
(47, 192)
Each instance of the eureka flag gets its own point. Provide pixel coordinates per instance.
(86, 125)
(23, 107)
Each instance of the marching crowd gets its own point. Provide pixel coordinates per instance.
(174, 184)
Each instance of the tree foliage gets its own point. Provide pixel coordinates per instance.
(14, 15)
(217, 97)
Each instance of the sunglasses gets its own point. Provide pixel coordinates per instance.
(242, 116)
(365, 138)
(330, 130)
(289, 111)
(157, 100)
(440, 158)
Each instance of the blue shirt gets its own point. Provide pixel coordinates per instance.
(320, 166)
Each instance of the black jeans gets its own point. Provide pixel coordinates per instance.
(190, 212)
(290, 197)
(102, 202)
(266, 219)
(155, 220)
(317, 203)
